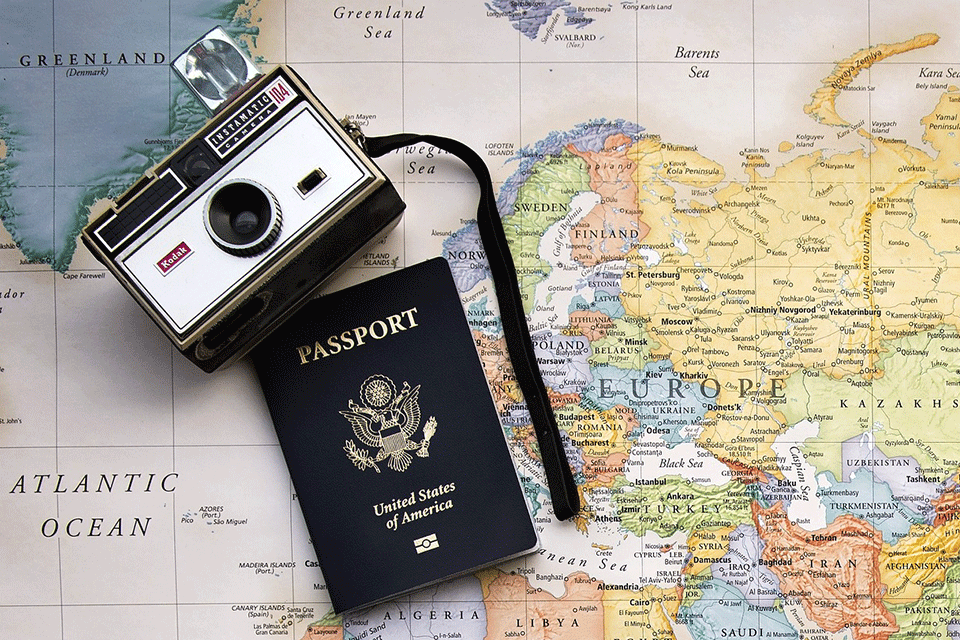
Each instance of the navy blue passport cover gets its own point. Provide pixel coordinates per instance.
(391, 437)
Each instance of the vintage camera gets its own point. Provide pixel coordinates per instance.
(238, 227)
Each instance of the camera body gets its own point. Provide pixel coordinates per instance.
(239, 227)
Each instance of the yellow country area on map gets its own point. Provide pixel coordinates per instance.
(919, 560)
(920, 373)
(913, 226)
(588, 608)
(645, 613)
(936, 195)
(797, 271)
(707, 547)
(516, 609)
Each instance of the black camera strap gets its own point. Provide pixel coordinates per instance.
(563, 489)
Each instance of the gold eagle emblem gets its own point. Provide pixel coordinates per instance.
(387, 420)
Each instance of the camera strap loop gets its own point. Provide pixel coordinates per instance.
(563, 489)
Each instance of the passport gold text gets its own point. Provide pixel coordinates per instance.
(358, 336)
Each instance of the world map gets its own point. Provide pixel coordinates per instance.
(805, 303)
(740, 280)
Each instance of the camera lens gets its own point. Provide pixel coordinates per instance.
(245, 223)
(243, 218)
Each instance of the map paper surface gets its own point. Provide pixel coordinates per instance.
(737, 231)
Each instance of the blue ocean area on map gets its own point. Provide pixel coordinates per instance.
(85, 127)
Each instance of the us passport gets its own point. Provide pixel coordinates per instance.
(393, 442)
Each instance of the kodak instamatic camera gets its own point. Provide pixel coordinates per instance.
(240, 225)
